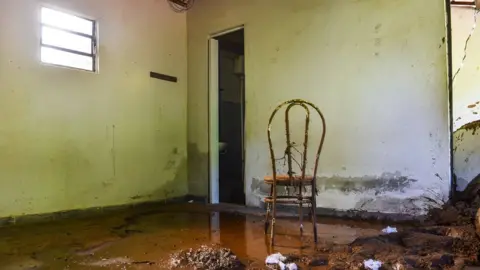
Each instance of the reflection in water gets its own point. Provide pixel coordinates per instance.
(215, 228)
(233, 233)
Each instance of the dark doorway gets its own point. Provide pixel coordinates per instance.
(231, 117)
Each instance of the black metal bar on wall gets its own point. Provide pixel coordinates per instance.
(463, 3)
(163, 77)
(448, 28)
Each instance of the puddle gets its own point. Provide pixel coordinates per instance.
(142, 240)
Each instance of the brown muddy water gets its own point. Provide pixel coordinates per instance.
(135, 239)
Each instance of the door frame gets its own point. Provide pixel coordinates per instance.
(213, 114)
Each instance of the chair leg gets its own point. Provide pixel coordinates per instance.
(273, 191)
(269, 208)
(314, 215)
(267, 218)
(300, 213)
(272, 225)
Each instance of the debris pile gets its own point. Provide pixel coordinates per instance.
(449, 240)
(205, 258)
(408, 249)
(461, 210)
(461, 216)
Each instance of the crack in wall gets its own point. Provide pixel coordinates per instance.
(465, 48)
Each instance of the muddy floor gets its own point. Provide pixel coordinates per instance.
(145, 240)
(163, 237)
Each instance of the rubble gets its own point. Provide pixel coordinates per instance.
(450, 239)
(206, 258)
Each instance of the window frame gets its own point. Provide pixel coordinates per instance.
(94, 40)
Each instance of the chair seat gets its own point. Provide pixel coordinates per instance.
(284, 180)
(287, 200)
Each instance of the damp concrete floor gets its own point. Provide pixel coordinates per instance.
(144, 238)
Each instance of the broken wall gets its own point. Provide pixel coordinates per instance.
(72, 139)
(466, 66)
(466, 154)
(379, 79)
(466, 94)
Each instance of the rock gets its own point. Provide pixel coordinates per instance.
(476, 201)
(435, 230)
(427, 241)
(459, 231)
(442, 261)
(410, 263)
(472, 190)
(318, 262)
(477, 222)
(448, 216)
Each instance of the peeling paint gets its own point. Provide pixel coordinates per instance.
(387, 182)
(375, 193)
(472, 126)
(383, 183)
(466, 153)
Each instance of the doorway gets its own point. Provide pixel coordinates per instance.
(227, 114)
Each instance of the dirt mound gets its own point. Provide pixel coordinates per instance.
(403, 250)
(205, 258)
(462, 215)
(461, 210)
(450, 240)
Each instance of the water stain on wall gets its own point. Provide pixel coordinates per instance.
(198, 171)
(376, 186)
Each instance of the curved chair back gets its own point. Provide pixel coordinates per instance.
(288, 151)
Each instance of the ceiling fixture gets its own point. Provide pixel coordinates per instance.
(180, 5)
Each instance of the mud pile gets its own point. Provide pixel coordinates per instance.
(205, 258)
(449, 239)
(430, 248)
(462, 210)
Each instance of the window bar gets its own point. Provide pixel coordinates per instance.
(66, 50)
(94, 46)
(91, 37)
(69, 31)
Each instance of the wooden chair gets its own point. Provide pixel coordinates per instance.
(299, 182)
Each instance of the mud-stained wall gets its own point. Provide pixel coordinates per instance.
(466, 87)
(379, 79)
(71, 139)
(466, 153)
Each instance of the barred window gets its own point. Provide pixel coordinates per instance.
(68, 40)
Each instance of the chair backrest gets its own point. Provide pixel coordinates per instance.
(288, 151)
